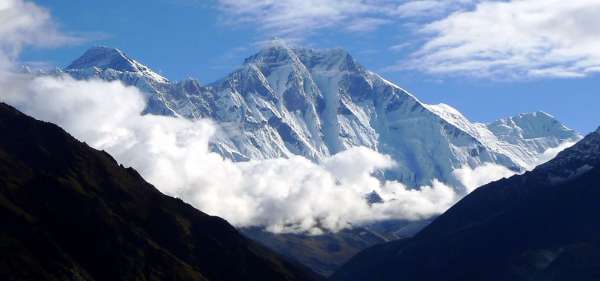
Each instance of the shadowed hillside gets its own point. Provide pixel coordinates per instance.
(70, 212)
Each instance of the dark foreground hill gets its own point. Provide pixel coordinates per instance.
(69, 212)
(540, 226)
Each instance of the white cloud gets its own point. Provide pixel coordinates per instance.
(513, 39)
(418, 8)
(472, 178)
(399, 47)
(285, 17)
(550, 153)
(366, 24)
(24, 23)
(301, 18)
(430, 8)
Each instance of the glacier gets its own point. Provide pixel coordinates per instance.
(286, 101)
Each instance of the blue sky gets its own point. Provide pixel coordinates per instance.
(489, 59)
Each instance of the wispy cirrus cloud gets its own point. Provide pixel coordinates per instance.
(285, 17)
(430, 8)
(514, 39)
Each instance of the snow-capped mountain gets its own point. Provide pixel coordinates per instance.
(112, 64)
(293, 101)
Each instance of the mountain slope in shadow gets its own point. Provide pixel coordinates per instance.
(70, 212)
(539, 226)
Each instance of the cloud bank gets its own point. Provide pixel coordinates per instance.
(288, 195)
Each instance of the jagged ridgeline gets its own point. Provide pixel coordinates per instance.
(287, 101)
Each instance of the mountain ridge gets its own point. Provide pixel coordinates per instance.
(286, 101)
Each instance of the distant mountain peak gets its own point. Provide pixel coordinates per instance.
(276, 42)
(536, 115)
(532, 125)
(278, 52)
(274, 52)
(329, 59)
(103, 57)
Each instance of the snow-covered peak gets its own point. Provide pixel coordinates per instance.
(190, 85)
(531, 125)
(111, 58)
(278, 53)
(330, 59)
(457, 119)
(274, 53)
(104, 57)
(450, 114)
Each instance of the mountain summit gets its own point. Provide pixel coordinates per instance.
(110, 58)
(286, 101)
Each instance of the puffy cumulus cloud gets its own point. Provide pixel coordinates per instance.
(513, 39)
(357, 166)
(472, 178)
(24, 23)
(415, 204)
